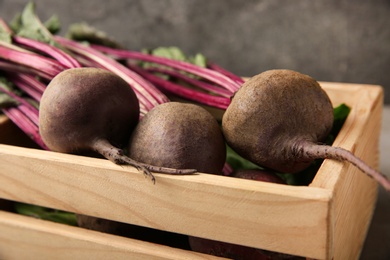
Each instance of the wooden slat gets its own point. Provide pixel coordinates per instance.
(258, 214)
(28, 238)
(355, 193)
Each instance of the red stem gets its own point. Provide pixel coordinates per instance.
(25, 124)
(225, 72)
(62, 57)
(29, 110)
(208, 74)
(190, 94)
(30, 60)
(28, 84)
(195, 82)
(13, 67)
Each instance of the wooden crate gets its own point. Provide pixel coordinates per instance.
(326, 220)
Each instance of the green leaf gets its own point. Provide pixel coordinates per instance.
(5, 36)
(28, 25)
(16, 22)
(5, 99)
(53, 24)
(199, 59)
(238, 162)
(340, 115)
(86, 33)
(46, 213)
(175, 53)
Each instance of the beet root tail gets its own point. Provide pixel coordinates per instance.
(116, 155)
(316, 151)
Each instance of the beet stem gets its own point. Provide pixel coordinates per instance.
(14, 67)
(29, 59)
(192, 81)
(24, 123)
(181, 91)
(214, 66)
(211, 75)
(29, 84)
(61, 56)
(29, 110)
(316, 151)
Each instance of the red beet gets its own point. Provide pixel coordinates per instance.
(258, 175)
(233, 251)
(279, 118)
(91, 109)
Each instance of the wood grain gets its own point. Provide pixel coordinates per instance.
(28, 238)
(201, 205)
(355, 193)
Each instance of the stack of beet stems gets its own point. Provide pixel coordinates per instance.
(213, 87)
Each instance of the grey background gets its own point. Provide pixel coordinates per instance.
(331, 40)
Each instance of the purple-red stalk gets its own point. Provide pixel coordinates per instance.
(30, 60)
(13, 67)
(227, 169)
(192, 81)
(237, 79)
(179, 90)
(56, 53)
(29, 84)
(211, 75)
(25, 124)
(24, 106)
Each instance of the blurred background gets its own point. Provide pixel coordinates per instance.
(332, 40)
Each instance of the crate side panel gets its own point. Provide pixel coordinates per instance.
(28, 238)
(356, 196)
(256, 214)
(354, 192)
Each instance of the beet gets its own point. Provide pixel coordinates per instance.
(258, 175)
(80, 105)
(91, 109)
(279, 118)
(234, 251)
(179, 135)
(133, 231)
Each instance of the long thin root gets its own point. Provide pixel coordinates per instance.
(315, 151)
(116, 155)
